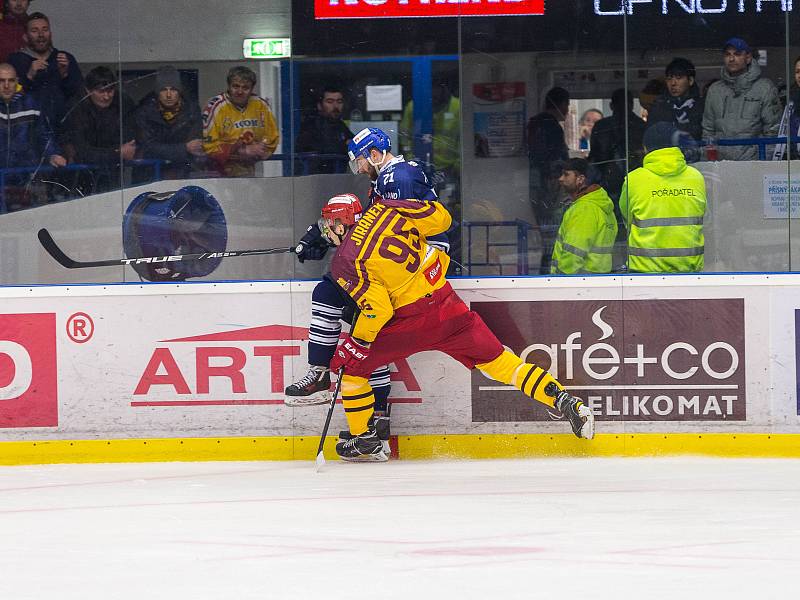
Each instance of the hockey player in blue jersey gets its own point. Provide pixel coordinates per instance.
(392, 177)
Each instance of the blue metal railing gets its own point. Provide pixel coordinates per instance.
(307, 159)
(10, 172)
(761, 142)
(521, 244)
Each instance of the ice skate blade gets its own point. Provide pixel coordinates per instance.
(379, 457)
(313, 400)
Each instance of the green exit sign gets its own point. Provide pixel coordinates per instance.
(267, 48)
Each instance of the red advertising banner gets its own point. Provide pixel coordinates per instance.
(381, 9)
(28, 371)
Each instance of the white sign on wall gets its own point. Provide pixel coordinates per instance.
(777, 193)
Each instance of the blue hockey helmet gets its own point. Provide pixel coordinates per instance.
(364, 141)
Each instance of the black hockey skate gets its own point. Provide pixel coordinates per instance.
(579, 415)
(382, 429)
(366, 447)
(311, 389)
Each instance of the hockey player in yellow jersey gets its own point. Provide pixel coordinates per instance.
(239, 128)
(406, 305)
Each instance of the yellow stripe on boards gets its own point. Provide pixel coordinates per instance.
(539, 445)
(753, 445)
(163, 450)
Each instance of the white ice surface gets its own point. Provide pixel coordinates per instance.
(554, 529)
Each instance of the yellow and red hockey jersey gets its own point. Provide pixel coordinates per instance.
(226, 128)
(385, 263)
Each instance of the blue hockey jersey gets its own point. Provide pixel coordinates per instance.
(404, 180)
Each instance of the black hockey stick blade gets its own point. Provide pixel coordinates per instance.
(320, 462)
(49, 244)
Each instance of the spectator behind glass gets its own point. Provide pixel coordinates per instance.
(586, 124)
(446, 141)
(12, 26)
(586, 236)
(324, 133)
(239, 129)
(681, 105)
(794, 117)
(664, 205)
(608, 142)
(168, 127)
(51, 76)
(93, 130)
(742, 104)
(650, 92)
(546, 151)
(26, 140)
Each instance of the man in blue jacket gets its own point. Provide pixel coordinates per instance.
(26, 140)
(51, 76)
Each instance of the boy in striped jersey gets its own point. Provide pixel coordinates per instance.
(406, 305)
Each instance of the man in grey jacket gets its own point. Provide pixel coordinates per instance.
(742, 104)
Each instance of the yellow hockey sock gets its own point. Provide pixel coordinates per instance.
(359, 403)
(530, 379)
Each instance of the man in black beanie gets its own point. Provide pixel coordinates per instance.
(168, 127)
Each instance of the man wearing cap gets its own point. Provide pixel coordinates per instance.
(681, 104)
(742, 104)
(585, 240)
(168, 127)
(663, 203)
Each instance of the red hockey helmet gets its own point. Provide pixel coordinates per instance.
(338, 215)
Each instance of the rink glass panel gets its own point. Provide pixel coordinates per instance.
(468, 88)
(747, 225)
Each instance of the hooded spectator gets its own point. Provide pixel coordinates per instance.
(169, 127)
(663, 203)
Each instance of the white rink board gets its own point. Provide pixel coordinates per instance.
(220, 354)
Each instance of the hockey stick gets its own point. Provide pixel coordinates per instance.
(320, 456)
(53, 250)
